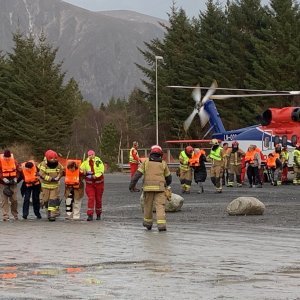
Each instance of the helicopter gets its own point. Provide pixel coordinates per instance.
(278, 125)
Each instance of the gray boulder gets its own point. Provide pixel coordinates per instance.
(173, 205)
(245, 206)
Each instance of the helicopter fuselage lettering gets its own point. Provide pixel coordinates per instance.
(229, 137)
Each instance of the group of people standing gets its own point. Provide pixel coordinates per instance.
(42, 183)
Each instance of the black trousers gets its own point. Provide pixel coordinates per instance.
(253, 175)
(35, 192)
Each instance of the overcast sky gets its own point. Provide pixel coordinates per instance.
(155, 8)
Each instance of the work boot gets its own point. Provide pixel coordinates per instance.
(98, 217)
(89, 218)
(162, 228)
(147, 225)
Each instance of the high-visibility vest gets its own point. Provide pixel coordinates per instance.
(194, 161)
(296, 157)
(98, 169)
(216, 154)
(271, 161)
(184, 161)
(249, 156)
(30, 174)
(8, 166)
(131, 158)
(72, 176)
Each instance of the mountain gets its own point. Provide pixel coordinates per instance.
(99, 49)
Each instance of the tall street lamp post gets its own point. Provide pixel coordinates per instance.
(156, 96)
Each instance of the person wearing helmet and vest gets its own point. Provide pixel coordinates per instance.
(8, 185)
(285, 162)
(31, 187)
(74, 189)
(278, 164)
(296, 164)
(157, 178)
(93, 170)
(216, 158)
(185, 169)
(234, 158)
(197, 163)
(50, 171)
(225, 174)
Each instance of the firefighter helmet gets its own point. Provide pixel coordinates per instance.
(214, 142)
(156, 149)
(189, 149)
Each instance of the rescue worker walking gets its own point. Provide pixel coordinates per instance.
(50, 171)
(197, 162)
(185, 169)
(285, 161)
(8, 186)
(31, 187)
(93, 170)
(225, 175)
(157, 178)
(216, 159)
(278, 165)
(74, 189)
(253, 163)
(134, 160)
(234, 158)
(296, 165)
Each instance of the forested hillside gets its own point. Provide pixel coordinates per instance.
(243, 45)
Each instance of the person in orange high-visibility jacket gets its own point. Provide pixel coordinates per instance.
(134, 159)
(74, 189)
(9, 172)
(157, 178)
(253, 163)
(197, 162)
(93, 170)
(50, 171)
(31, 187)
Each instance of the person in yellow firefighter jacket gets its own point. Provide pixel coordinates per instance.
(157, 178)
(216, 158)
(74, 189)
(50, 171)
(296, 164)
(185, 169)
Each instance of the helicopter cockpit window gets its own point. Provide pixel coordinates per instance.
(294, 140)
(267, 142)
(284, 141)
(276, 140)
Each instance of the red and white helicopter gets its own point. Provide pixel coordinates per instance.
(279, 125)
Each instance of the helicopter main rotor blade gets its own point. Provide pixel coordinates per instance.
(196, 94)
(222, 97)
(204, 117)
(230, 89)
(187, 123)
(210, 92)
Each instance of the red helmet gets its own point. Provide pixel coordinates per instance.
(189, 149)
(297, 145)
(156, 149)
(50, 154)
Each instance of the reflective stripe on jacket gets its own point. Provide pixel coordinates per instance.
(154, 175)
(133, 153)
(216, 154)
(72, 176)
(47, 174)
(184, 161)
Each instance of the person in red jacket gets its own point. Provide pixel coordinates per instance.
(8, 188)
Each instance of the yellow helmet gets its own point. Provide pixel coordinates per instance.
(214, 142)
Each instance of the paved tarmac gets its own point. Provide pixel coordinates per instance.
(205, 254)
